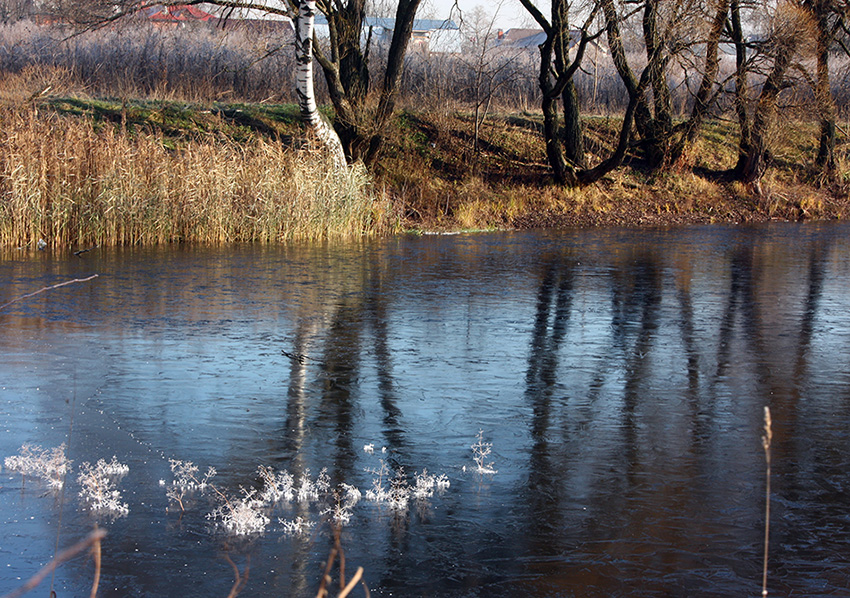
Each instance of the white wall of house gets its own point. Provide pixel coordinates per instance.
(249, 14)
(441, 37)
(446, 41)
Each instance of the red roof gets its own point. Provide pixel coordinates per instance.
(177, 13)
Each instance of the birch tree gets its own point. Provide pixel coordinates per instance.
(310, 115)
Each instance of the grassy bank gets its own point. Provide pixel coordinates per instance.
(82, 172)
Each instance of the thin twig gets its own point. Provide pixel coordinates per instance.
(344, 588)
(351, 583)
(93, 538)
(50, 288)
(327, 575)
(240, 580)
(341, 560)
(96, 552)
(765, 440)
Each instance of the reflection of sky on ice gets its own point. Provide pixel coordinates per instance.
(619, 375)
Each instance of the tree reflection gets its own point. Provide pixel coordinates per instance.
(546, 467)
(636, 299)
(741, 302)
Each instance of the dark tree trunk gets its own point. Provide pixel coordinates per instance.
(826, 106)
(642, 117)
(564, 151)
(657, 145)
(555, 77)
(405, 13)
(573, 135)
(751, 164)
(346, 70)
(351, 74)
(741, 88)
(562, 171)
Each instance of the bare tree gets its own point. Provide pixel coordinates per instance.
(564, 149)
(829, 18)
(345, 62)
(15, 10)
(667, 30)
(709, 87)
(557, 69)
(787, 29)
(490, 65)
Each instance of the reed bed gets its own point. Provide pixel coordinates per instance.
(72, 182)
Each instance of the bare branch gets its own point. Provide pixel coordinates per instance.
(50, 288)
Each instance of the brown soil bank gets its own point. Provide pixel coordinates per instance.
(444, 183)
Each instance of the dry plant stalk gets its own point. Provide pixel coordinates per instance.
(765, 440)
(96, 554)
(50, 288)
(240, 579)
(344, 588)
(93, 539)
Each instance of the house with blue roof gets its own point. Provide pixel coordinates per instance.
(430, 36)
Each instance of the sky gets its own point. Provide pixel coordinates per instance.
(511, 13)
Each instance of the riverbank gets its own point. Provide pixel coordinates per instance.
(444, 183)
(84, 172)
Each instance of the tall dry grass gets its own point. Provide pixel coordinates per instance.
(70, 183)
(138, 60)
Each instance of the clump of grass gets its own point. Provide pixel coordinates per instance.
(71, 183)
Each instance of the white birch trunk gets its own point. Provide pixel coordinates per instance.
(304, 82)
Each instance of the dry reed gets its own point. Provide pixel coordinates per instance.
(92, 540)
(766, 440)
(70, 182)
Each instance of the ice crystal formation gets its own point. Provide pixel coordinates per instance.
(480, 451)
(186, 481)
(243, 515)
(99, 490)
(49, 465)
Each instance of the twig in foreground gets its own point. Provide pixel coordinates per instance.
(96, 551)
(765, 440)
(50, 288)
(344, 588)
(93, 538)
